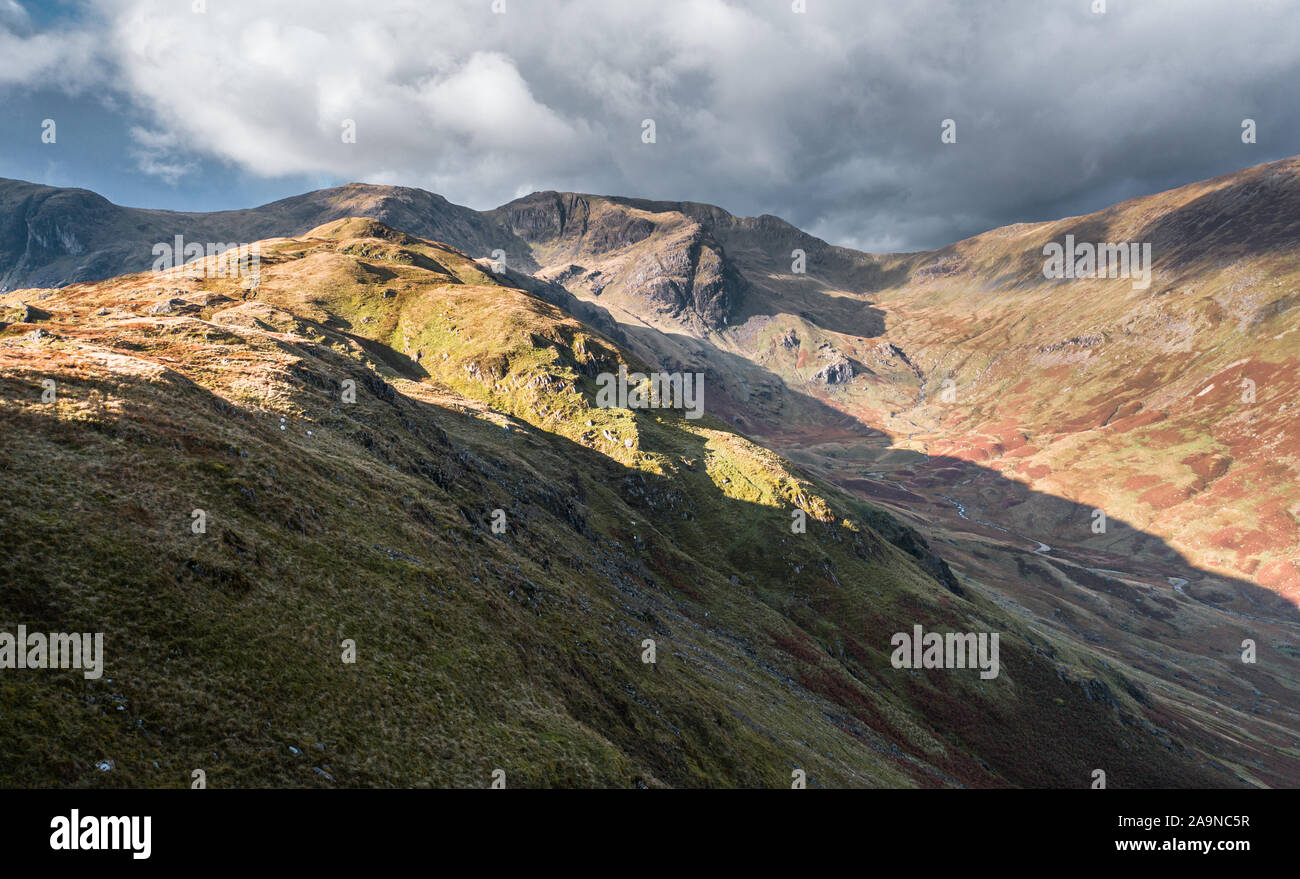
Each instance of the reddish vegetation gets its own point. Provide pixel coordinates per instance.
(1141, 419)
(1207, 465)
(1127, 410)
(1240, 540)
(805, 652)
(1232, 487)
(1164, 496)
(1281, 576)
(1163, 439)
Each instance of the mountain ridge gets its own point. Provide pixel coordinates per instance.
(1067, 399)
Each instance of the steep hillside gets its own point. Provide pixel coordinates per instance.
(329, 521)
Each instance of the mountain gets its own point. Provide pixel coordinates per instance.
(52, 237)
(965, 420)
(519, 649)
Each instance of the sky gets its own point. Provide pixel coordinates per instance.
(831, 117)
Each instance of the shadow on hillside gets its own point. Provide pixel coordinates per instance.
(1008, 510)
(1146, 625)
(1253, 217)
(1123, 547)
(405, 366)
(744, 386)
(807, 299)
(1038, 753)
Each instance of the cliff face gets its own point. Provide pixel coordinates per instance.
(52, 235)
(660, 261)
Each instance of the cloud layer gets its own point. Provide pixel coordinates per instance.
(830, 118)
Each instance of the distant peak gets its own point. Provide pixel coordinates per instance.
(357, 227)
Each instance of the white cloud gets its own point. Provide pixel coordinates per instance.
(830, 118)
(157, 154)
(64, 58)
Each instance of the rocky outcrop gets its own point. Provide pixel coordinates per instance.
(837, 372)
(605, 246)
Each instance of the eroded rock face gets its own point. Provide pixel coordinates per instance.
(545, 215)
(609, 247)
(691, 280)
(839, 371)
